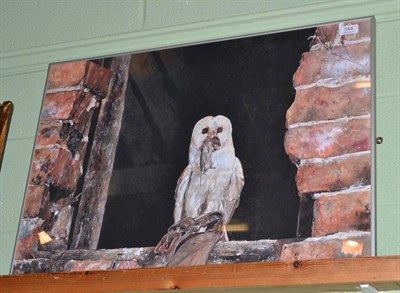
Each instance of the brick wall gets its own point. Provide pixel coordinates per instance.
(73, 91)
(328, 138)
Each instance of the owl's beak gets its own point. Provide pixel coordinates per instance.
(211, 134)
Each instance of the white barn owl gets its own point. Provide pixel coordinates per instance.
(213, 180)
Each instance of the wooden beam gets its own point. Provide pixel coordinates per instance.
(311, 275)
(95, 189)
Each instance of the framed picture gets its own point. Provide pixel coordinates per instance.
(251, 149)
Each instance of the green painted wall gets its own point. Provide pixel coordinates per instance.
(36, 33)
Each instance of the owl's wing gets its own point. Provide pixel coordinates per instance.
(231, 200)
(180, 190)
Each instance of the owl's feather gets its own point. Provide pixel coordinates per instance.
(231, 201)
(180, 190)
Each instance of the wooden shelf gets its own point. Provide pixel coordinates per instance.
(300, 276)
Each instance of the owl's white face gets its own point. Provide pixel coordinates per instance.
(210, 127)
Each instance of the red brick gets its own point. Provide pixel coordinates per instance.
(65, 105)
(87, 265)
(325, 34)
(324, 247)
(43, 159)
(328, 139)
(80, 73)
(33, 200)
(66, 74)
(336, 63)
(328, 33)
(342, 213)
(66, 171)
(334, 175)
(59, 105)
(26, 246)
(49, 133)
(321, 103)
(27, 238)
(83, 122)
(81, 107)
(55, 166)
(98, 79)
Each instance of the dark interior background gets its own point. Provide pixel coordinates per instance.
(249, 80)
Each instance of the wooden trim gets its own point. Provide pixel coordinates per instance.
(28, 60)
(312, 275)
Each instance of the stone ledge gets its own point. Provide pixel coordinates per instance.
(231, 252)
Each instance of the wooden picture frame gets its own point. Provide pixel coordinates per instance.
(6, 111)
(114, 133)
(328, 275)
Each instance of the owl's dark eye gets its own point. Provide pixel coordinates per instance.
(205, 130)
(219, 129)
